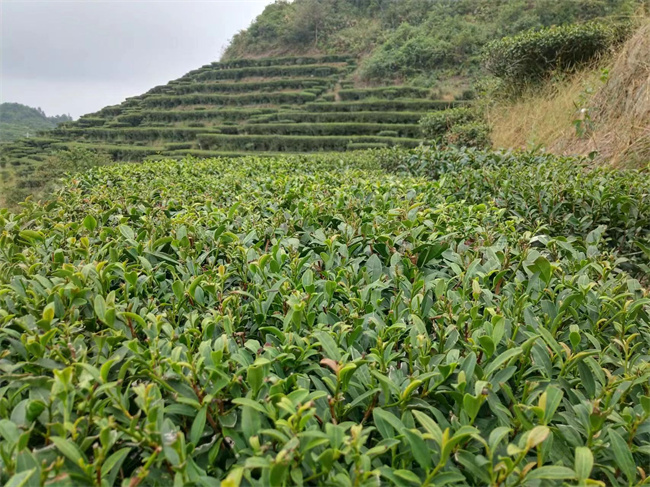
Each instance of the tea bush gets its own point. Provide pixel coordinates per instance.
(398, 130)
(318, 321)
(282, 61)
(532, 55)
(253, 98)
(472, 134)
(560, 198)
(316, 70)
(386, 92)
(342, 117)
(214, 115)
(245, 86)
(380, 105)
(456, 127)
(295, 143)
(434, 125)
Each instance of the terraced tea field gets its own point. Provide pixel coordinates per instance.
(261, 106)
(381, 318)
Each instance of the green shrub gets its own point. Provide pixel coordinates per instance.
(560, 197)
(318, 321)
(178, 146)
(107, 112)
(131, 119)
(316, 70)
(91, 121)
(293, 143)
(407, 51)
(342, 117)
(468, 94)
(216, 115)
(255, 98)
(282, 61)
(366, 145)
(131, 134)
(47, 175)
(534, 54)
(389, 93)
(110, 152)
(396, 130)
(434, 125)
(471, 134)
(247, 86)
(117, 124)
(382, 105)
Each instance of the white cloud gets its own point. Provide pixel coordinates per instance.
(78, 56)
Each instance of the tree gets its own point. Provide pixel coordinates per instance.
(310, 20)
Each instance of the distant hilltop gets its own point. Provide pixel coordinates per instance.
(17, 120)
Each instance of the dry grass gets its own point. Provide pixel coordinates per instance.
(622, 107)
(618, 111)
(541, 118)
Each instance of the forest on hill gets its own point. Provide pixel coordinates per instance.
(17, 120)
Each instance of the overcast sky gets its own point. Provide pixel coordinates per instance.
(79, 56)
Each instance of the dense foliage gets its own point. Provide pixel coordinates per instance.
(426, 39)
(561, 199)
(533, 55)
(456, 127)
(301, 321)
(18, 120)
(45, 178)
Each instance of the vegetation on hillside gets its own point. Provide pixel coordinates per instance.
(260, 106)
(310, 93)
(602, 110)
(533, 56)
(18, 121)
(466, 318)
(429, 39)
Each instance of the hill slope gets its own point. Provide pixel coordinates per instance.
(426, 40)
(603, 110)
(17, 120)
(260, 106)
(307, 76)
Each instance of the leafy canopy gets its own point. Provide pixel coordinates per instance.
(301, 321)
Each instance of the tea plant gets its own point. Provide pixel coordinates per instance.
(297, 321)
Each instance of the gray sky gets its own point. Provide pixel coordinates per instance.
(79, 56)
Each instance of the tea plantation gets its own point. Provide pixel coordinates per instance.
(391, 317)
(246, 106)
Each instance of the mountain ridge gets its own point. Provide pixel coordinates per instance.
(18, 120)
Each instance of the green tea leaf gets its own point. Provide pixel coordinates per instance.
(69, 449)
(623, 455)
(584, 462)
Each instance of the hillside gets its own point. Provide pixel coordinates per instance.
(260, 106)
(307, 76)
(603, 110)
(430, 42)
(18, 121)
